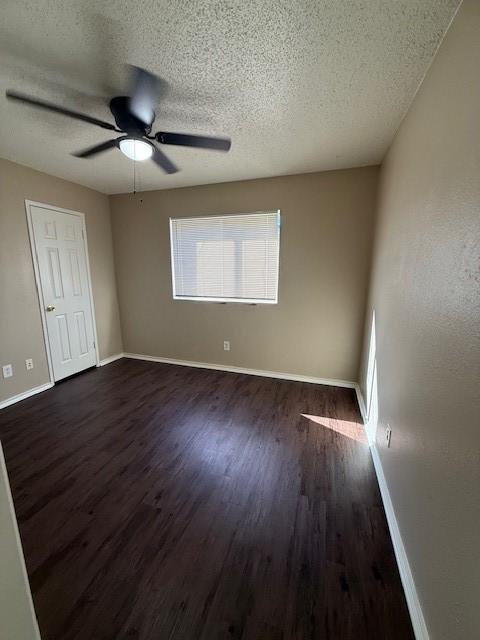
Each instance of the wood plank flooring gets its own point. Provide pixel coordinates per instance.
(162, 502)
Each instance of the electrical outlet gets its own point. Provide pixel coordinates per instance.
(226, 345)
(388, 435)
(7, 371)
(29, 363)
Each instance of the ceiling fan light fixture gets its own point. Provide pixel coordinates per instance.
(136, 149)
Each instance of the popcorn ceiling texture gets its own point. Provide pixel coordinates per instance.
(299, 86)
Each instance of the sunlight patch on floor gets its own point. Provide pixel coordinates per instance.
(352, 430)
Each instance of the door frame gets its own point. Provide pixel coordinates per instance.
(38, 284)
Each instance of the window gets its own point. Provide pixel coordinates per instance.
(230, 258)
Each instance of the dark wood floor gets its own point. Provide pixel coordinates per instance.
(161, 502)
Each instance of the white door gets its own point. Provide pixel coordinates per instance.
(62, 264)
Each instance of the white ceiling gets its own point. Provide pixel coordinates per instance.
(299, 85)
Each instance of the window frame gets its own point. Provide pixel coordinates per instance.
(223, 300)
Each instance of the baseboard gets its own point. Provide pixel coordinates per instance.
(413, 603)
(110, 359)
(411, 596)
(25, 394)
(361, 403)
(251, 372)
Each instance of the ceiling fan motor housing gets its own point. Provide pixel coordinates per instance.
(126, 121)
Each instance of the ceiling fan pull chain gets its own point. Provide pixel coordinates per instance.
(134, 176)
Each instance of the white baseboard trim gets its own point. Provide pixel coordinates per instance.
(411, 596)
(25, 394)
(361, 403)
(117, 356)
(251, 372)
(413, 603)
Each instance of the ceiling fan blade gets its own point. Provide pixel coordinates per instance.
(163, 161)
(144, 94)
(98, 148)
(48, 106)
(187, 140)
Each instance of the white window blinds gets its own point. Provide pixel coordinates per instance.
(230, 258)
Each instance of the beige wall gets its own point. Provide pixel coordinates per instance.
(325, 252)
(425, 292)
(21, 334)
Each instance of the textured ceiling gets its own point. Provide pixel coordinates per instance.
(300, 86)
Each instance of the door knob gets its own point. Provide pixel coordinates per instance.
(50, 307)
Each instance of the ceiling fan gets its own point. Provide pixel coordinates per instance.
(134, 116)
